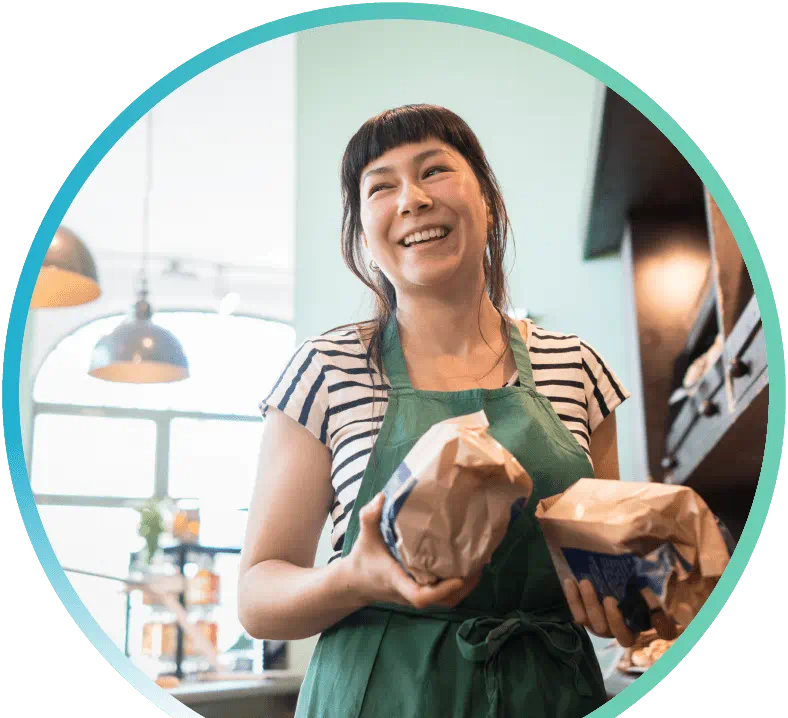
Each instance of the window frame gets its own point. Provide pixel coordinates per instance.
(161, 417)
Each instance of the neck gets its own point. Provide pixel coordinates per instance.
(455, 325)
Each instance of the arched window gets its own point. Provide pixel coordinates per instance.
(100, 449)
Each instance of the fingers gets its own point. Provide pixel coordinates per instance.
(585, 607)
(594, 611)
(446, 593)
(466, 587)
(616, 622)
(575, 601)
(405, 587)
(604, 619)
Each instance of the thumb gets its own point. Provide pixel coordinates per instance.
(371, 513)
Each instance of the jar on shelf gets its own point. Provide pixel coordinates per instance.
(195, 661)
(186, 523)
(159, 634)
(202, 581)
(204, 620)
(161, 565)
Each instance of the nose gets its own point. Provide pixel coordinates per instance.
(413, 199)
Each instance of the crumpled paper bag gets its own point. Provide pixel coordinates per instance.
(449, 503)
(637, 540)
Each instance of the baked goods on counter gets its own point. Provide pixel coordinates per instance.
(646, 651)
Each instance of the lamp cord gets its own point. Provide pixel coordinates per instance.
(146, 200)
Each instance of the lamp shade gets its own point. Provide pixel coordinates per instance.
(139, 352)
(68, 276)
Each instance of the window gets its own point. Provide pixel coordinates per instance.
(101, 449)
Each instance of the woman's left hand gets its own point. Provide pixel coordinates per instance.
(602, 619)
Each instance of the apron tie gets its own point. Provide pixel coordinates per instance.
(480, 640)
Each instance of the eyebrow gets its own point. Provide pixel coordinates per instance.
(418, 158)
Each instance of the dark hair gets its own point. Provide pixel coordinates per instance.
(386, 131)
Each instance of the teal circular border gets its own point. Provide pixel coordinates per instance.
(390, 11)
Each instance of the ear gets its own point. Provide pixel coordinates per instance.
(364, 240)
(490, 219)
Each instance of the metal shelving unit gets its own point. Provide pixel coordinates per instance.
(180, 552)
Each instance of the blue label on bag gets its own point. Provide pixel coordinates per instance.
(610, 574)
(396, 491)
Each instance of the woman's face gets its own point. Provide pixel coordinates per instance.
(424, 217)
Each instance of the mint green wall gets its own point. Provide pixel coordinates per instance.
(538, 119)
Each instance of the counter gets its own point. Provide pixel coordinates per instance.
(272, 696)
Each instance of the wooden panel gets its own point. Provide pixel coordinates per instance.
(754, 358)
(746, 346)
(707, 389)
(737, 456)
(663, 250)
(699, 440)
(733, 280)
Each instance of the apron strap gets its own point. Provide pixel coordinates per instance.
(393, 358)
(480, 639)
(521, 357)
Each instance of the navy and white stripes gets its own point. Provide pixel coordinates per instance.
(327, 388)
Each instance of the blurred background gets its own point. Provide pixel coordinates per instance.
(226, 199)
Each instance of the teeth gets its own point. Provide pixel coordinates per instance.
(427, 234)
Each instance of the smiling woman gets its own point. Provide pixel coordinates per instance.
(419, 155)
(421, 200)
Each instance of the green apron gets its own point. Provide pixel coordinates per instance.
(510, 648)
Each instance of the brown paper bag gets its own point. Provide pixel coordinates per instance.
(449, 503)
(660, 541)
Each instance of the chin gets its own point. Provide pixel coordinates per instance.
(433, 277)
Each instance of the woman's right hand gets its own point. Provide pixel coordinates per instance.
(377, 577)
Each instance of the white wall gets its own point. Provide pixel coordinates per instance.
(223, 169)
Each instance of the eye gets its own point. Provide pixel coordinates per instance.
(430, 171)
(376, 188)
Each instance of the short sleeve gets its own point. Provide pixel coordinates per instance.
(301, 392)
(604, 390)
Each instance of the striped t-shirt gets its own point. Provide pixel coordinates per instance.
(326, 387)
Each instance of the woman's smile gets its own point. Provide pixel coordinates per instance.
(425, 236)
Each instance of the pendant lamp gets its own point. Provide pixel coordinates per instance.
(68, 275)
(139, 351)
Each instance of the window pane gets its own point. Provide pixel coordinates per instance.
(99, 540)
(93, 455)
(230, 628)
(214, 461)
(233, 362)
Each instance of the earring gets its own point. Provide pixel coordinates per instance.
(373, 265)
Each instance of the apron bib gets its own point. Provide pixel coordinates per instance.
(510, 648)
